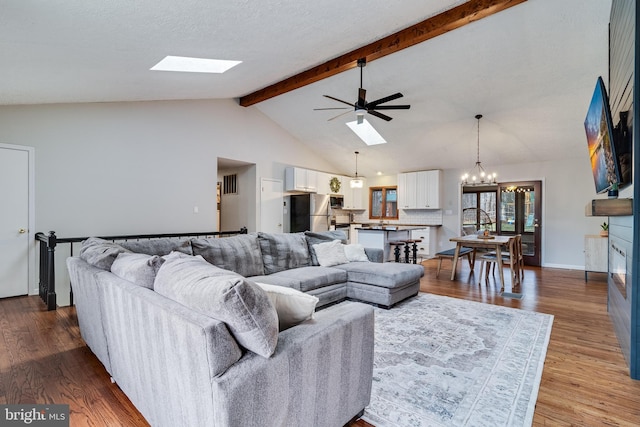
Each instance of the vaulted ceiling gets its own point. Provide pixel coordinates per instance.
(529, 69)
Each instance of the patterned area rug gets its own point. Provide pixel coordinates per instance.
(443, 361)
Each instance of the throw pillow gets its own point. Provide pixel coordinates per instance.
(330, 253)
(140, 269)
(100, 253)
(355, 252)
(292, 306)
(283, 251)
(224, 295)
(314, 237)
(237, 253)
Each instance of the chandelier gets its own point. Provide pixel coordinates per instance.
(355, 181)
(477, 175)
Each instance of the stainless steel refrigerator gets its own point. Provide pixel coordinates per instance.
(310, 212)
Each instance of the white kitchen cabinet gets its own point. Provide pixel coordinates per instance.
(419, 190)
(354, 197)
(596, 254)
(353, 233)
(427, 247)
(300, 179)
(322, 183)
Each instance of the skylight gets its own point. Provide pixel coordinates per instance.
(366, 132)
(194, 65)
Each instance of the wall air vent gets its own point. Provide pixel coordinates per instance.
(230, 184)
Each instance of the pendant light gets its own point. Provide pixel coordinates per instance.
(477, 175)
(355, 181)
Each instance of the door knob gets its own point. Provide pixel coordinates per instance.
(22, 231)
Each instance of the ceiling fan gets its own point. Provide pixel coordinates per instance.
(361, 106)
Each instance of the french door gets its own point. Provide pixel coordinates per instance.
(520, 212)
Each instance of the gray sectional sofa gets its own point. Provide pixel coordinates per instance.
(182, 366)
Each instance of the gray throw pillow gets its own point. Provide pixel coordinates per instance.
(160, 247)
(100, 253)
(237, 253)
(283, 251)
(224, 295)
(140, 269)
(313, 238)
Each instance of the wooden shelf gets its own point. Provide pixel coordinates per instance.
(609, 207)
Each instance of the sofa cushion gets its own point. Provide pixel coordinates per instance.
(283, 251)
(312, 277)
(100, 253)
(237, 253)
(291, 305)
(330, 253)
(140, 269)
(386, 275)
(315, 237)
(163, 246)
(224, 295)
(355, 252)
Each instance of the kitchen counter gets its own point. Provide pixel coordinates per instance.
(366, 227)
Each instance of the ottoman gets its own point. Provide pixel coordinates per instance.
(383, 284)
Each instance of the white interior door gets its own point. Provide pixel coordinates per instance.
(271, 205)
(14, 222)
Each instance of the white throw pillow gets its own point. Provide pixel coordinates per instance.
(355, 252)
(291, 305)
(330, 253)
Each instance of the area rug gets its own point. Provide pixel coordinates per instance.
(443, 361)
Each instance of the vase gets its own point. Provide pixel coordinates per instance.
(604, 233)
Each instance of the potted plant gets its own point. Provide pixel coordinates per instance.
(605, 229)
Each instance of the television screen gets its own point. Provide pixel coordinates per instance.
(599, 128)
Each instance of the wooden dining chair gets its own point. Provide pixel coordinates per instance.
(511, 257)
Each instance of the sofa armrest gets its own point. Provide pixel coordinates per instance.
(374, 254)
(320, 374)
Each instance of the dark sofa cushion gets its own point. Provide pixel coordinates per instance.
(283, 251)
(160, 247)
(240, 253)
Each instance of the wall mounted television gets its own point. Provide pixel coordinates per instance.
(600, 139)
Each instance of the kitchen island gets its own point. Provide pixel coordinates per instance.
(371, 236)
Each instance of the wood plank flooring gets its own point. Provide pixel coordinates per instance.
(585, 381)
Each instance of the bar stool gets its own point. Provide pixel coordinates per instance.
(396, 249)
(413, 243)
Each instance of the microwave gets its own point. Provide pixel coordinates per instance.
(336, 201)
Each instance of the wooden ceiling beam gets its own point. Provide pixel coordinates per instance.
(452, 19)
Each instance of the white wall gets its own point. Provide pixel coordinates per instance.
(137, 168)
(129, 168)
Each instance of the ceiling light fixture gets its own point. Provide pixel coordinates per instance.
(366, 132)
(194, 65)
(478, 176)
(355, 181)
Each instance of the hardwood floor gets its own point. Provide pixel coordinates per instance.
(585, 381)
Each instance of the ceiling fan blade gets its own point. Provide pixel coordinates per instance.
(385, 99)
(331, 108)
(339, 100)
(339, 115)
(391, 107)
(379, 115)
(362, 96)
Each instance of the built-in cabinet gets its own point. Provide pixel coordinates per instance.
(420, 190)
(427, 246)
(300, 179)
(596, 258)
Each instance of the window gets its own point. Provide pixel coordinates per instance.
(383, 203)
(479, 207)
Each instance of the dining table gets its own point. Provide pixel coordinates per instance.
(491, 242)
